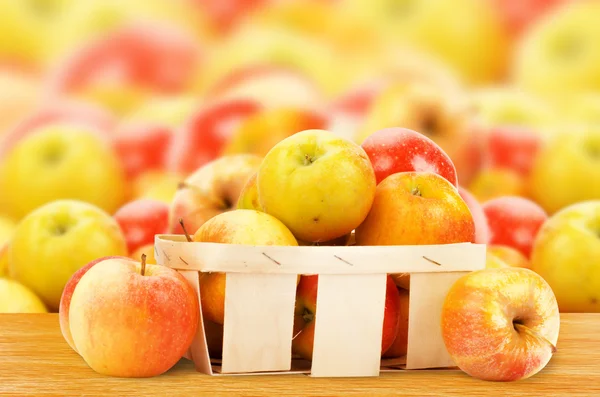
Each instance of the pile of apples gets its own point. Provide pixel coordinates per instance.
(120, 119)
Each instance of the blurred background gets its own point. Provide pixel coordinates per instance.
(136, 95)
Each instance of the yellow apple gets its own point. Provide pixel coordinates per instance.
(4, 260)
(168, 110)
(249, 195)
(61, 161)
(491, 183)
(18, 98)
(55, 240)
(17, 298)
(565, 253)
(158, 185)
(319, 185)
(567, 169)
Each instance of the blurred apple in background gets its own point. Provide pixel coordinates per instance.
(582, 109)
(17, 298)
(491, 183)
(513, 148)
(61, 161)
(55, 240)
(514, 221)
(500, 324)
(426, 201)
(567, 169)
(261, 131)
(393, 150)
(203, 137)
(482, 231)
(224, 15)
(19, 97)
(559, 53)
(165, 110)
(508, 255)
(148, 250)
(299, 178)
(518, 15)
(156, 185)
(141, 220)
(566, 253)
(211, 190)
(4, 265)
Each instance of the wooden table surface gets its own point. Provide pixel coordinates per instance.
(35, 360)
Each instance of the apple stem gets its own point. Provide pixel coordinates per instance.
(143, 271)
(522, 328)
(187, 235)
(307, 159)
(182, 185)
(416, 191)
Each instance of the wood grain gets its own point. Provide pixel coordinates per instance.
(35, 360)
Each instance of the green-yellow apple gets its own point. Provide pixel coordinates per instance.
(500, 324)
(240, 226)
(559, 54)
(494, 182)
(249, 195)
(156, 184)
(55, 240)
(132, 319)
(416, 208)
(17, 298)
(566, 252)
(566, 170)
(214, 188)
(318, 184)
(4, 260)
(61, 161)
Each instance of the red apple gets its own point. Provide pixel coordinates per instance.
(514, 221)
(65, 299)
(142, 147)
(513, 148)
(482, 232)
(129, 319)
(393, 150)
(141, 220)
(205, 134)
(226, 14)
(400, 346)
(306, 315)
(518, 15)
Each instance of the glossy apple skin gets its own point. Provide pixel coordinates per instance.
(141, 220)
(57, 239)
(126, 324)
(509, 255)
(399, 347)
(563, 254)
(478, 329)
(305, 315)
(393, 150)
(482, 232)
(513, 148)
(240, 226)
(410, 207)
(514, 221)
(300, 179)
(491, 183)
(142, 147)
(211, 190)
(67, 294)
(204, 135)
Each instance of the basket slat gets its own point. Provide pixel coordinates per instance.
(259, 320)
(349, 325)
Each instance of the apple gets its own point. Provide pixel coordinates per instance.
(514, 221)
(558, 55)
(565, 253)
(211, 190)
(55, 240)
(261, 131)
(513, 148)
(240, 226)
(299, 182)
(140, 220)
(67, 294)
(519, 15)
(393, 150)
(494, 262)
(120, 69)
(131, 319)
(581, 109)
(62, 161)
(491, 183)
(569, 161)
(148, 251)
(17, 298)
(482, 232)
(204, 135)
(224, 15)
(500, 324)
(248, 198)
(508, 255)
(141, 147)
(168, 111)
(18, 98)
(157, 185)
(426, 202)
(305, 316)
(399, 347)
(4, 259)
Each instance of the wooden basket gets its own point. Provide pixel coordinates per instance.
(260, 299)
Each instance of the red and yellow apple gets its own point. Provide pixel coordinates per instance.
(399, 347)
(565, 253)
(140, 220)
(300, 179)
(500, 324)
(482, 232)
(249, 195)
(213, 189)
(508, 255)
